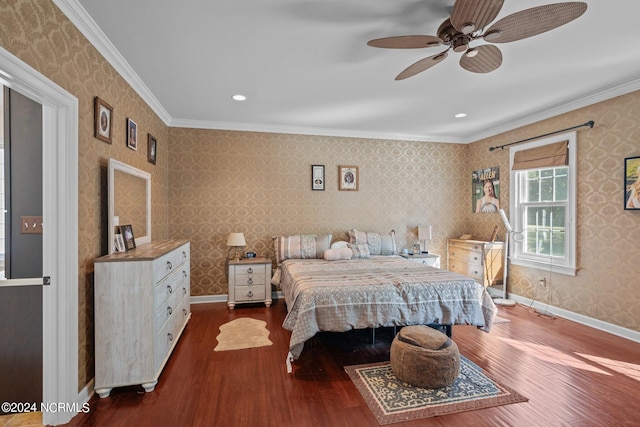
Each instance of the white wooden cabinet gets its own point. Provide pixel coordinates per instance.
(141, 308)
(249, 281)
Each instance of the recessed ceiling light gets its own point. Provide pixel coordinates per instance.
(239, 97)
(460, 115)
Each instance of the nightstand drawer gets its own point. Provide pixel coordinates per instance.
(250, 293)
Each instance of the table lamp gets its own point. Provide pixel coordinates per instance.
(236, 240)
(424, 235)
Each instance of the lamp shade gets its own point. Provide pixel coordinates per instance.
(236, 239)
(424, 232)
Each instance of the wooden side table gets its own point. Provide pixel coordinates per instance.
(428, 259)
(249, 281)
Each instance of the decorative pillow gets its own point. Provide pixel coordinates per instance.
(338, 253)
(301, 246)
(360, 251)
(379, 244)
(339, 244)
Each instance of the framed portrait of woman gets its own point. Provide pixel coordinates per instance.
(632, 183)
(132, 134)
(348, 178)
(102, 120)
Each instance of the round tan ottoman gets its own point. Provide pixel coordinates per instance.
(424, 357)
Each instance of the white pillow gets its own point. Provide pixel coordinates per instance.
(335, 254)
(339, 244)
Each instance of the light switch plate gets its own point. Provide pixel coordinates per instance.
(31, 225)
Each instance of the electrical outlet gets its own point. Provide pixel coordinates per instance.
(31, 225)
(542, 282)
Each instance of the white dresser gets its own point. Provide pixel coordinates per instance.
(141, 308)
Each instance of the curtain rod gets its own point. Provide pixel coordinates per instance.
(590, 123)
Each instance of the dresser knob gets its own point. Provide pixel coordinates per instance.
(170, 336)
(169, 266)
(184, 255)
(250, 281)
(169, 289)
(169, 311)
(184, 290)
(184, 274)
(250, 294)
(249, 270)
(184, 311)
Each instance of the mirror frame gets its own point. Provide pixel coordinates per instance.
(115, 165)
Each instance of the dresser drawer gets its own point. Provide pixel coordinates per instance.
(250, 293)
(466, 255)
(165, 311)
(170, 262)
(171, 284)
(250, 275)
(471, 270)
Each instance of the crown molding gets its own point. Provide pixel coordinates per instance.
(88, 27)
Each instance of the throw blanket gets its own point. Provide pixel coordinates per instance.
(378, 291)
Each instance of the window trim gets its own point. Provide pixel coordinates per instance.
(568, 266)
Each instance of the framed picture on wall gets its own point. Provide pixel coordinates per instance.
(102, 120)
(151, 148)
(132, 134)
(127, 235)
(348, 178)
(632, 183)
(317, 177)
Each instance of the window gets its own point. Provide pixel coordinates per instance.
(543, 205)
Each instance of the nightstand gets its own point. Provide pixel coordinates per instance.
(249, 281)
(429, 259)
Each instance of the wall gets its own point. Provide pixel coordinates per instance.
(260, 184)
(606, 285)
(39, 34)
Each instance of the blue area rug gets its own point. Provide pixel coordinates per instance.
(392, 400)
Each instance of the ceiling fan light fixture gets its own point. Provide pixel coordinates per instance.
(470, 53)
(239, 97)
(460, 115)
(468, 28)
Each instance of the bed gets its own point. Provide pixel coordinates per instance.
(374, 291)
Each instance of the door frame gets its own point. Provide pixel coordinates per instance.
(60, 239)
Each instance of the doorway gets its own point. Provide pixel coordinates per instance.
(60, 243)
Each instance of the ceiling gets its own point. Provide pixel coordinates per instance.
(305, 66)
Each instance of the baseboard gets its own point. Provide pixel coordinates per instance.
(579, 318)
(204, 299)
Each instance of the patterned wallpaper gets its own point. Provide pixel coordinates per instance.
(39, 34)
(260, 184)
(606, 285)
(207, 183)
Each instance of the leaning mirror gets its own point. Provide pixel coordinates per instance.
(129, 202)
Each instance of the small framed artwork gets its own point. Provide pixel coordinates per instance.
(151, 148)
(632, 183)
(127, 235)
(317, 177)
(348, 178)
(132, 134)
(119, 243)
(102, 120)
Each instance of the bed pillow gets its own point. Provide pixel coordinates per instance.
(379, 244)
(335, 254)
(339, 244)
(360, 251)
(301, 246)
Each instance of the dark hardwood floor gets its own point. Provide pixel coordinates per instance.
(573, 376)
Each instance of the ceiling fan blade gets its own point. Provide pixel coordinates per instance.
(421, 65)
(469, 16)
(534, 21)
(406, 42)
(487, 58)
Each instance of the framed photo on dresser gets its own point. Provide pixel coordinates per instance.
(127, 235)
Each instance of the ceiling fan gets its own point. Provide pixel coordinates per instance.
(467, 24)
